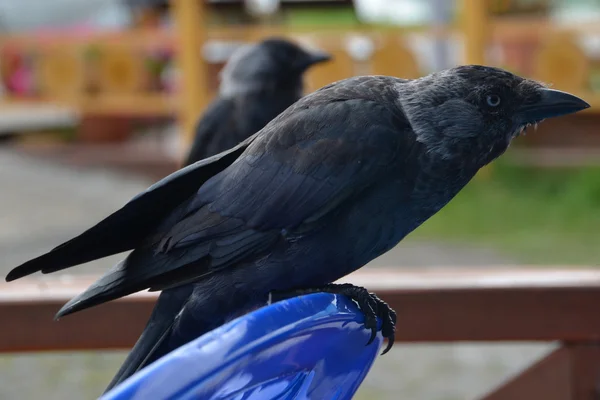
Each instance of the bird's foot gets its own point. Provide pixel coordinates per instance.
(371, 306)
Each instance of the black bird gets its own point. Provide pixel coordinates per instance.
(334, 181)
(258, 82)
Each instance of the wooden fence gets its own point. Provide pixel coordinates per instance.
(122, 85)
(438, 305)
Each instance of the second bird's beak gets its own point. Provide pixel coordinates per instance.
(314, 57)
(319, 57)
(552, 103)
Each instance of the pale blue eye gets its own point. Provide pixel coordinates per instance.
(493, 100)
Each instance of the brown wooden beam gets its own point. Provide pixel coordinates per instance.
(432, 306)
(585, 371)
(29, 326)
(547, 379)
(571, 372)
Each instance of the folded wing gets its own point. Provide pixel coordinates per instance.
(303, 167)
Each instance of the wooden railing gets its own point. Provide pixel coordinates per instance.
(119, 76)
(439, 305)
(107, 73)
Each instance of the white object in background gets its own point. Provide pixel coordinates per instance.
(219, 51)
(571, 13)
(423, 49)
(172, 142)
(360, 48)
(32, 117)
(590, 44)
(262, 7)
(399, 12)
(23, 15)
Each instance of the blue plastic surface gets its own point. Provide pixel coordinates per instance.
(307, 347)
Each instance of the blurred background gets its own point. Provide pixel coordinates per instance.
(98, 99)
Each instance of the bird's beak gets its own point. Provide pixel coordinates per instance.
(312, 58)
(317, 57)
(552, 103)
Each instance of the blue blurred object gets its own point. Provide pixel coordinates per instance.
(307, 347)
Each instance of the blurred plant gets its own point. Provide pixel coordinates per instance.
(17, 72)
(503, 7)
(91, 56)
(595, 79)
(533, 215)
(156, 62)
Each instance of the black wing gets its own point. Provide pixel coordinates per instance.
(127, 227)
(304, 165)
(217, 120)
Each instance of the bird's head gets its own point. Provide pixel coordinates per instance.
(474, 112)
(272, 63)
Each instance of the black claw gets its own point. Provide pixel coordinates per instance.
(371, 306)
(388, 329)
(389, 346)
(372, 337)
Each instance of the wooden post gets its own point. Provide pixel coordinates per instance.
(189, 16)
(571, 372)
(476, 29)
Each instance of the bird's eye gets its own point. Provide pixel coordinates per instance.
(493, 100)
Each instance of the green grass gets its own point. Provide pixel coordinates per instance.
(538, 216)
(334, 16)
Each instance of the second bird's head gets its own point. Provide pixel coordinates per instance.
(272, 64)
(474, 112)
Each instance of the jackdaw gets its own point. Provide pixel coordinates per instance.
(258, 82)
(336, 180)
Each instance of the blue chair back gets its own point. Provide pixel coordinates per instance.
(307, 347)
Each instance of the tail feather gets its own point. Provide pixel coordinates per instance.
(112, 285)
(141, 269)
(77, 251)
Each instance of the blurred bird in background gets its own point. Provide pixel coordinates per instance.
(258, 82)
